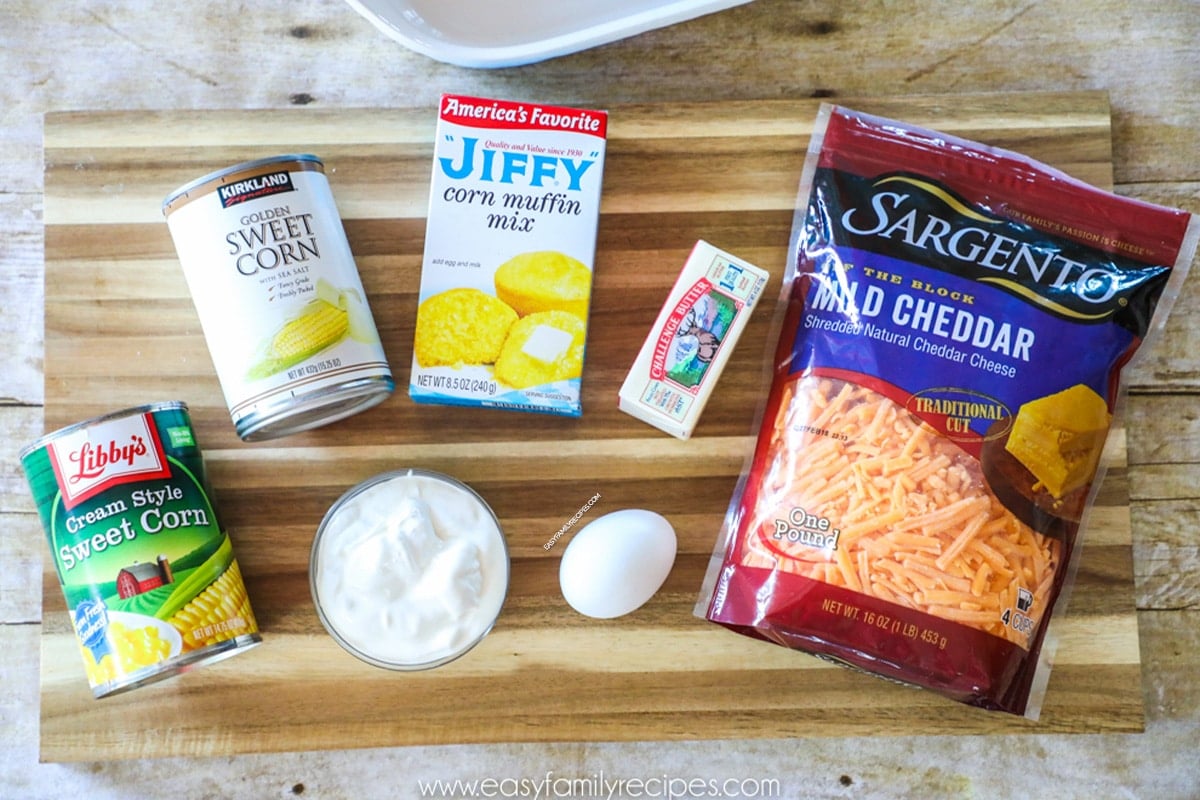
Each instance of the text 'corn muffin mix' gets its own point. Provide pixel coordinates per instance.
(510, 241)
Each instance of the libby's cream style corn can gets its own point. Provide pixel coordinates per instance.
(147, 571)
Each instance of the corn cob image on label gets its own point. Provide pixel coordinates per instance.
(279, 296)
(148, 574)
(510, 243)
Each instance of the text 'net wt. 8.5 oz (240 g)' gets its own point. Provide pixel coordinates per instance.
(952, 335)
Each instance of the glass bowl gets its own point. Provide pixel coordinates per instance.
(409, 569)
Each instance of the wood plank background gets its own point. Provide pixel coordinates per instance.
(120, 330)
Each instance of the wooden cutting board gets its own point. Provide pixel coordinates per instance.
(121, 331)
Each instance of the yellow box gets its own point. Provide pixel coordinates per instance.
(509, 247)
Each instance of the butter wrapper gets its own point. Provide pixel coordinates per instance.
(509, 250)
(691, 341)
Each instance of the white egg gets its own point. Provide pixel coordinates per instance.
(617, 562)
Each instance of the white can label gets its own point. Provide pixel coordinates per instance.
(275, 285)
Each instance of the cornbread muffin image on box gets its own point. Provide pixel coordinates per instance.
(544, 347)
(461, 326)
(545, 280)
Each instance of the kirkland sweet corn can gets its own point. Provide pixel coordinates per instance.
(147, 571)
(279, 296)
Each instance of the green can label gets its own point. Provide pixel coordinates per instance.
(147, 571)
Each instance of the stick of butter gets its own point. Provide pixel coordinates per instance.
(692, 339)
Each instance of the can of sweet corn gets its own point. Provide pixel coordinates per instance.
(151, 584)
(279, 296)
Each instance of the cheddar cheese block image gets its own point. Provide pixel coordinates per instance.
(545, 280)
(544, 347)
(1059, 438)
(461, 326)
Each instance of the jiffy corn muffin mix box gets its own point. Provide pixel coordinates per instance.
(509, 247)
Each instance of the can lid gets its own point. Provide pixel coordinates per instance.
(285, 414)
(217, 175)
(149, 408)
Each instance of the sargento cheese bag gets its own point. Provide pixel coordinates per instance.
(954, 327)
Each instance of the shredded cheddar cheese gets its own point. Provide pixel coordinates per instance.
(918, 525)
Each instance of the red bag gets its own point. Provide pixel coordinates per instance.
(954, 325)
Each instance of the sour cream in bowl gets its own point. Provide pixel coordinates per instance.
(409, 570)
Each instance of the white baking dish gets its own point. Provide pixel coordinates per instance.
(494, 33)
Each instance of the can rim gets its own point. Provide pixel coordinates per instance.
(192, 185)
(178, 665)
(286, 412)
(44, 439)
